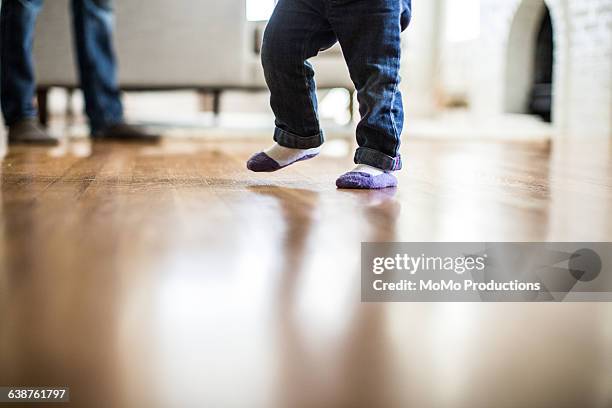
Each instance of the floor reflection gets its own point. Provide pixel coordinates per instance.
(169, 276)
(351, 368)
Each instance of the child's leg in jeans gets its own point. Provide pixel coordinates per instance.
(296, 31)
(369, 33)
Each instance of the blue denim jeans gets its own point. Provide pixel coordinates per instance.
(369, 33)
(93, 27)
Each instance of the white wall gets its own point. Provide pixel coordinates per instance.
(583, 61)
(589, 98)
(420, 58)
(460, 28)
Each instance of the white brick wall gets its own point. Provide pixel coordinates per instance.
(583, 61)
(419, 58)
(590, 66)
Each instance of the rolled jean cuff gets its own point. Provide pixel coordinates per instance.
(293, 141)
(377, 159)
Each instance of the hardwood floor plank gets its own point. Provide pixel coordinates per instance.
(123, 267)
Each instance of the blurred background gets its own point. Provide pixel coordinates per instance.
(519, 69)
(169, 276)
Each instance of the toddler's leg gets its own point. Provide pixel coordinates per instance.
(296, 31)
(369, 33)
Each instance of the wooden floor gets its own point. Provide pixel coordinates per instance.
(169, 276)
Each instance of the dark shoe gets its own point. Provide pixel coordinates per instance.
(126, 133)
(30, 131)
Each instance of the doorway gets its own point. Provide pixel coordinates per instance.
(540, 102)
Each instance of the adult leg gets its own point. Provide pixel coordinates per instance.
(297, 31)
(18, 86)
(93, 31)
(17, 20)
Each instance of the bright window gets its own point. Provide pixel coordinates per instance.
(259, 10)
(462, 20)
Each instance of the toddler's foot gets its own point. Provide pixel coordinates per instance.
(278, 157)
(367, 178)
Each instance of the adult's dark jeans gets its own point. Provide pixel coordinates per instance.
(93, 29)
(369, 34)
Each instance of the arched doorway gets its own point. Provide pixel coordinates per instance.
(540, 102)
(529, 82)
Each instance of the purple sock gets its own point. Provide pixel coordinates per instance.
(262, 163)
(365, 181)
